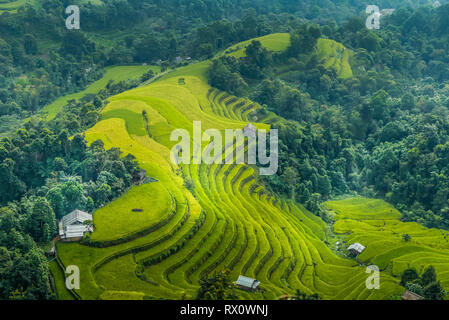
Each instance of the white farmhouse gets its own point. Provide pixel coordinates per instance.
(72, 226)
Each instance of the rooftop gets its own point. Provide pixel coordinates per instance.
(357, 247)
(75, 216)
(72, 225)
(409, 295)
(250, 128)
(247, 282)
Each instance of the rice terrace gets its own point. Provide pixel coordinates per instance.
(224, 219)
(224, 158)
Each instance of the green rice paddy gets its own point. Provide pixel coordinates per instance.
(334, 55)
(118, 218)
(331, 54)
(115, 74)
(377, 225)
(226, 219)
(275, 42)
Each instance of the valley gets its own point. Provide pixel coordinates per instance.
(226, 219)
(224, 150)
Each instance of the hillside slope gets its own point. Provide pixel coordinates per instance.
(376, 225)
(198, 219)
(224, 220)
(115, 74)
(331, 54)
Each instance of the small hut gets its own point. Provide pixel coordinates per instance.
(73, 226)
(247, 284)
(356, 249)
(409, 295)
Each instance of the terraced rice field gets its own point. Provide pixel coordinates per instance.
(225, 220)
(331, 54)
(116, 74)
(275, 42)
(376, 225)
(335, 56)
(59, 281)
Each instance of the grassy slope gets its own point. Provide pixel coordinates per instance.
(376, 225)
(334, 55)
(118, 220)
(241, 226)
(330, 53)
(12, 6)
(115, 74)
(273, 42)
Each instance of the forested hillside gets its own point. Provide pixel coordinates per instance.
(41, 60)
(372, 122)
